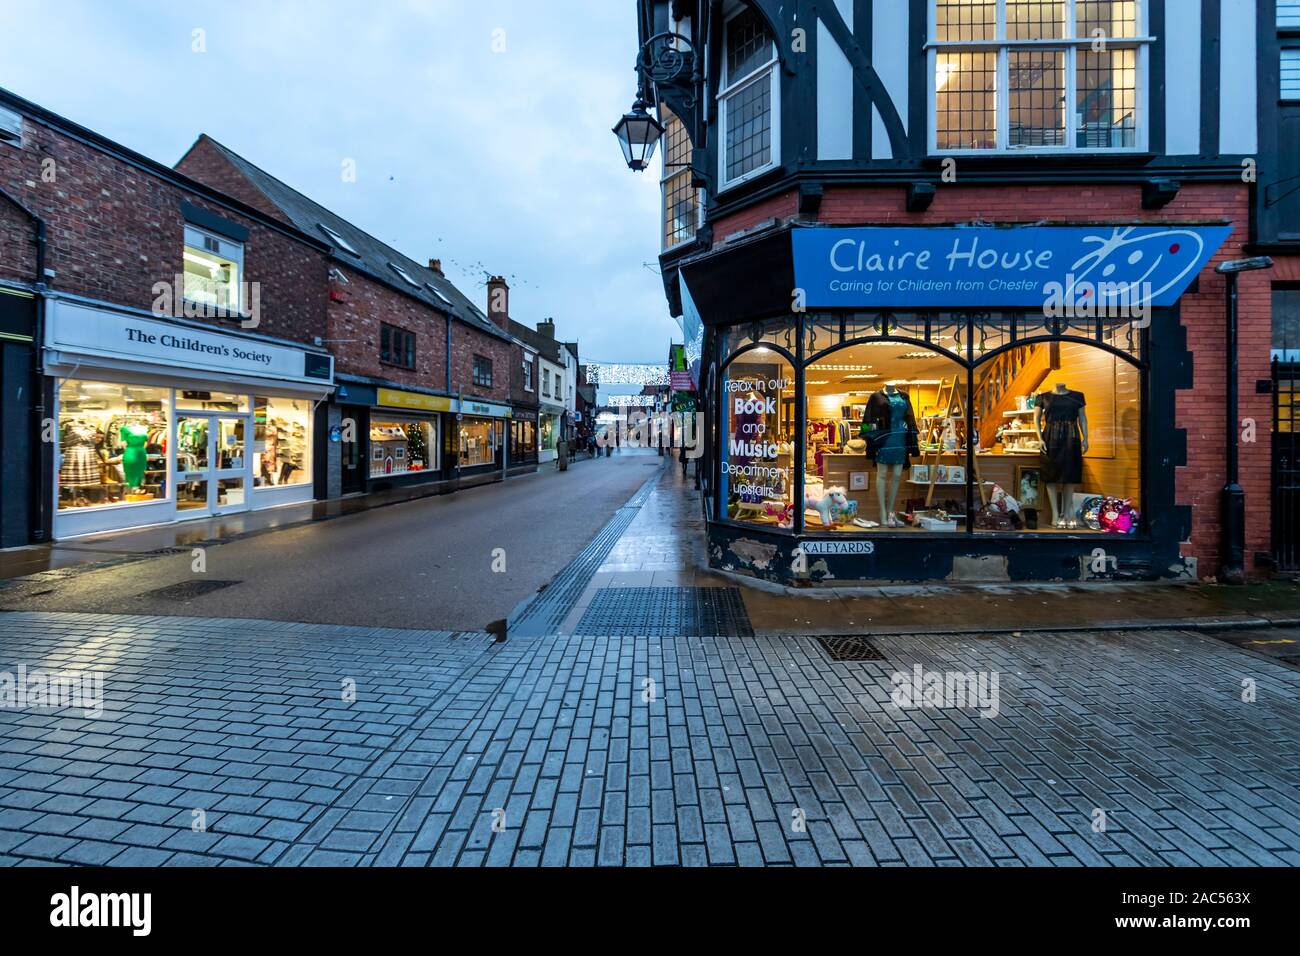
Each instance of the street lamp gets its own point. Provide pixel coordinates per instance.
(1232, 561)
(637, 133)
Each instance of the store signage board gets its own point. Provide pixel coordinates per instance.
(812, 548)
(1036, 267)
(484, 409)
(83, 330)
(416, 401)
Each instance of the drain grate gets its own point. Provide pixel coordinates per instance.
(849, 647)
(666, 612)
(187, 590)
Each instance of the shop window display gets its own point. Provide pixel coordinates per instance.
(112, 444)
(1060, 428)
(478, 443)
(400, 447)
(757, 466)
(282, 442)
(885, 446)
(550, 426)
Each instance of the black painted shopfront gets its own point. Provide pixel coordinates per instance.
(971, 489)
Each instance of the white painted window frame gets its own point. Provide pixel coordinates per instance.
(237, 259)
(768, 73)
(1142, 43)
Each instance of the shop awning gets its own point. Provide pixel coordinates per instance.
(744, 278)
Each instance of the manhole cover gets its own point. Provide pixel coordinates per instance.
(666, 612)
(187, 590)
(849, 647)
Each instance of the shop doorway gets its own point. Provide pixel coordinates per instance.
(352, 447)
(212, 474)
(1286, 466)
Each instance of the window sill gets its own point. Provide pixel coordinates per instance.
(404, 368)
(209, 311)
(748, 177)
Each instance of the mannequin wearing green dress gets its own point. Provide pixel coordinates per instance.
(134, 457)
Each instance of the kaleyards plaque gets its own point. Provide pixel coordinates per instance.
(1103, 266)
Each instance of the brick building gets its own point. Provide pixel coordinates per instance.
(203, 340)
(154, 328)
(524, 380)
(942, 253)
(424, 376)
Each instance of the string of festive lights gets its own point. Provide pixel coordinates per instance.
(626, 373)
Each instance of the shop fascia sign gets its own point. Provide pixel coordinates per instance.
(82, 330)
(484, 409)
(1072, 268)
(423, 402)
(415, 401)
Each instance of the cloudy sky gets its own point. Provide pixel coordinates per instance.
(492, 160)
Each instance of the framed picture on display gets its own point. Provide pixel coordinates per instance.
(1029, 486)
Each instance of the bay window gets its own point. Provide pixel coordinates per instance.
(1017, 75)
(681, 201)
(749, 99)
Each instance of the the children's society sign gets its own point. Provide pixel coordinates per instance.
(1000, 266)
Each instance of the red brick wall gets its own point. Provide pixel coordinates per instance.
(1200, 409)
(465, 344)
(354, 322)
(354, 327)
(207, 164)
(114, 230)
(354, 330)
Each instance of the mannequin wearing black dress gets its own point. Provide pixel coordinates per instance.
(1063, 430)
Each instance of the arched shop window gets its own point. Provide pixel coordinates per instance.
(758, 442)
(1059, 428)
(939, 422)
(886, 439)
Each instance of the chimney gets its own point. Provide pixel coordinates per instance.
(499, 302)
(436, 265)
(547, 328)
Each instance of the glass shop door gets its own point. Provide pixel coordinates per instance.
(212, 473)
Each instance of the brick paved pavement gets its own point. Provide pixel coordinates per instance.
(245, 721)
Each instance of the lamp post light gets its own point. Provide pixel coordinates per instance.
(1232, 560)
(637, 133)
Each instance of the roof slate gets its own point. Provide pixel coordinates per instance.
(374, 258)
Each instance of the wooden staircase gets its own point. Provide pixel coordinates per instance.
(1018, 372)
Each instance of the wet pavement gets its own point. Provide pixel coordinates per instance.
(226, 741)
(665, 547)
(452, 562)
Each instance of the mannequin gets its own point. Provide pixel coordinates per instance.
(134, 459)
(889, 428)
(1062, 427)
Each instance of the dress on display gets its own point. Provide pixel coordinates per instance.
(890, 428)
(134, 457)
(1062, 461)
(81, 465)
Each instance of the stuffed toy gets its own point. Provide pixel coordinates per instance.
(827, 505)
(782, 512)
(1118, 516)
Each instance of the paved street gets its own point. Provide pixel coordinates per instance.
(421, 564)
(225, 741)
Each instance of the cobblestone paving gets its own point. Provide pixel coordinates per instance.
(553, 751)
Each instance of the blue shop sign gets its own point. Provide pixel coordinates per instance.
(1000, 266)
